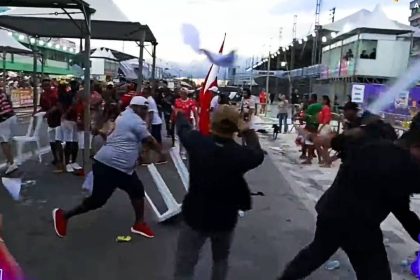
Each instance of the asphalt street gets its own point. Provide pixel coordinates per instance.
(265, 239)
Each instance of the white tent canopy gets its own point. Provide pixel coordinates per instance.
(364, 19)
(105, 10)
(10, 44)
(103, 53)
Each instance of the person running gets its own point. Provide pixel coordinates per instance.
(217, 190)
(114, 167)
(8, 122)
(375, 179)
(49, 104)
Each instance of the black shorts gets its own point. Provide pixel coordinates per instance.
(156, 132)
(106, 179)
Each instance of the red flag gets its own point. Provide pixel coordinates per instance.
(206, 96)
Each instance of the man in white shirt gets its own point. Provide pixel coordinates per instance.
(214, 104)
(114, 167)
(154, 121)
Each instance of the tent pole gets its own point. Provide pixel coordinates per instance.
(86, 118)
(140, 73)
(154, 62)
(4, 70)
(154, 84)
(35, 82)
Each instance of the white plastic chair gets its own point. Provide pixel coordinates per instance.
(32, 136)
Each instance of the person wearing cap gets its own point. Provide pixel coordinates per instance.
(217, 189)
(352, 119)
(214, 104)
(377, 177)
(114, 167)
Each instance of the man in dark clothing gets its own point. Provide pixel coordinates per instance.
(217, 190)
(167, 102)
(352, 120)
(376, 178)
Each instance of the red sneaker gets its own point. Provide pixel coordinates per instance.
(143, 229)
(60, 222)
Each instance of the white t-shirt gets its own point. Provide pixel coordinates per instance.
(153, 108)
(214, 103)
(123, 145)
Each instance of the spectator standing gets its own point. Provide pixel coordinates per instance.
(167, 104)
(296, 100)
(218, 165)
(49, 105)
(67, 102)
(8, 122)
(189, 108)
(283, 108)
(263, 101)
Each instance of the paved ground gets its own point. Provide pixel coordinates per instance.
(270, 235)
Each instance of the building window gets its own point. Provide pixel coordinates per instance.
(367, 49)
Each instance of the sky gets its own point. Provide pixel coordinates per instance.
(252, 26)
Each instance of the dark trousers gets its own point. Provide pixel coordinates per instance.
(190, 243)
(363, 245)
(156, 132)
(283, 120)
(167, 117)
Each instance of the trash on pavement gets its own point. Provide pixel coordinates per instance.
(123, 239)
(332, 265)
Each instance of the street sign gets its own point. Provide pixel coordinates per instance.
(358, 93)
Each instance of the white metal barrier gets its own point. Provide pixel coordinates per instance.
(174, 208)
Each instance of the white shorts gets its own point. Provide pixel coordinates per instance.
(54, 134)
(81, 137)
(68, 132)
(7, 129)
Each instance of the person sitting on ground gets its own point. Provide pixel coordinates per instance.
(210, 208)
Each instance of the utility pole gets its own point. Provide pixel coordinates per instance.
(315, 36)
(251, 79)
(292, 51)
(332, 14)
(267, 82)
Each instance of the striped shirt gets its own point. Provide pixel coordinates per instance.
(6, 107)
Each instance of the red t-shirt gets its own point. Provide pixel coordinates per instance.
(125, 99)
(325, 116)
(49, 99)
(188, 106)
(263, 97)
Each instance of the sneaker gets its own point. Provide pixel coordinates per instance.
(60, 222)
(76, 166)
(183, 156)
(143, 229)
(69, 168)
(11, 168)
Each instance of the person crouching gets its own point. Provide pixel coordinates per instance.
(211, 206)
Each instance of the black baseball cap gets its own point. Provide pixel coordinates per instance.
(351, 106)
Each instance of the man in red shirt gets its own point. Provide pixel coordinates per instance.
(7, 124)
(49, 104)
(125, 99)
